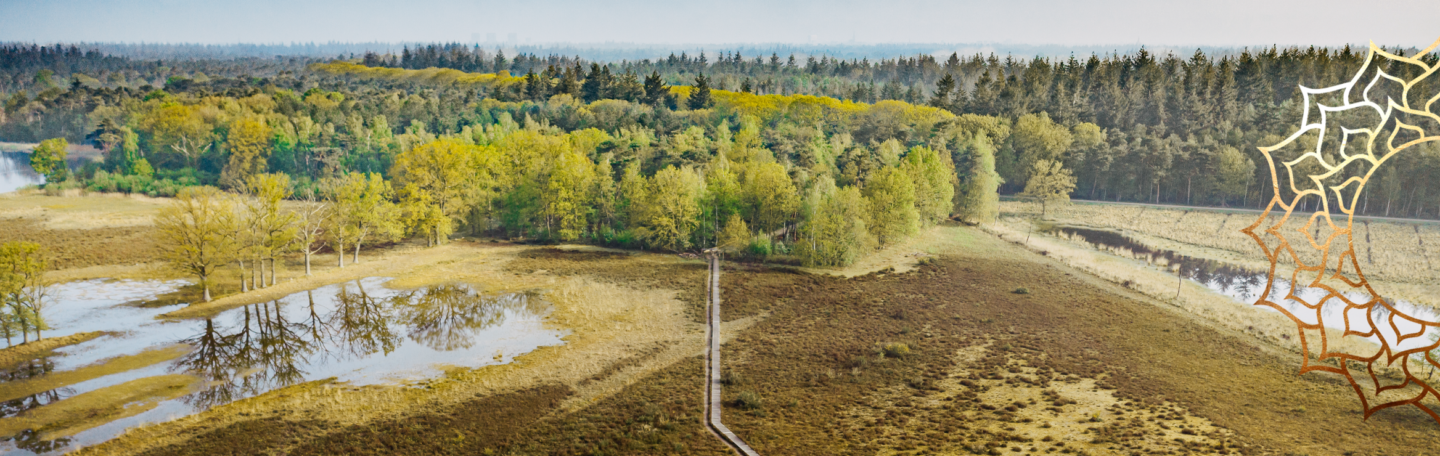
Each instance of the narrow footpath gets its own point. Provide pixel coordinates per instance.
(712, 362)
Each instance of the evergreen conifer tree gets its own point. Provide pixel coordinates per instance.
(593, 88)
(655, 89)
(700, 97)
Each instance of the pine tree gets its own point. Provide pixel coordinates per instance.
(594, 86)
(700, 96)
(567, 85)
(655, 89)
(943, 87)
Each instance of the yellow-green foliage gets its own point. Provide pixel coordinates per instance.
(810, 109)
(672, 212)
(836, 233)
(891, 197)
(430, 75)
(800, 109)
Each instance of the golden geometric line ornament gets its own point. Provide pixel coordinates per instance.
(1347, 133)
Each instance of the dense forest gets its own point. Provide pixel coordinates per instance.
(756, 149)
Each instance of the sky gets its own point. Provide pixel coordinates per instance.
(1049, 22)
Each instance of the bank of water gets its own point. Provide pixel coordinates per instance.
(360, 332)
(1245, 286)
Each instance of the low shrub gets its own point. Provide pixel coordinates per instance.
(895, 350)
(749, 400)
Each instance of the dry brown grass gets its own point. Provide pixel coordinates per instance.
(1159, 283)
(76, 212)
(1391, 251)
(1402, 260)
(899, 257)
(809, 355)
(1013, 406)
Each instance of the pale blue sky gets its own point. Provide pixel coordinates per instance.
(1209, 23)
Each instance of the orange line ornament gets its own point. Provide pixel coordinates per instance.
(1347, 135)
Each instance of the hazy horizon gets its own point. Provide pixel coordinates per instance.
(1226, 23)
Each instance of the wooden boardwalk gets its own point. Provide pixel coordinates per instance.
(712, 363)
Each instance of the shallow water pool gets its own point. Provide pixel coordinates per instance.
(359, 332)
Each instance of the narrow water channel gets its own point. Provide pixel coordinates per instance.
(360, 332)
(1245, 286)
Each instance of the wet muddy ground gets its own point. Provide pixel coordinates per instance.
(1005, 351)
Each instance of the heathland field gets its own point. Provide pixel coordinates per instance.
(1387, 249)
(980, 345)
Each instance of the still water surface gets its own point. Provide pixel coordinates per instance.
(1245, 286)
(359, 332)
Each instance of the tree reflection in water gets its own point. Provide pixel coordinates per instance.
(30, 369)
(363, 323)
(271, 345)
(446, 317)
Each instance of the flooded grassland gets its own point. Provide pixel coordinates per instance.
(406, 330)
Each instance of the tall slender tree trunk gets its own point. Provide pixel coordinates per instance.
(260, 267)
(1187, 191)
(244, 287)
(340, 248)
(205, 283)
(272, 271)
(307, 261)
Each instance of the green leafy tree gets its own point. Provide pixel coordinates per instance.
(934, 176)
(735, 235)
(48, 159)
(421, 216)
(363, 210)
(274, 228)
(723, 197)
(770, 196)
(634, 194)
(979, 199)
(177, 127)
(568, 195)
(444, 173)
(248, 142)
(22, 289)
(891, 199)
(1233, 172)
(673, 209)
(1050, 183)
(836, 232)
(1037, 138)
(195, 233)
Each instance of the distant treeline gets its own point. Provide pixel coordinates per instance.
(1131, 127)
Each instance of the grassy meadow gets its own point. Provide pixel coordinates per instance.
(961, 340)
